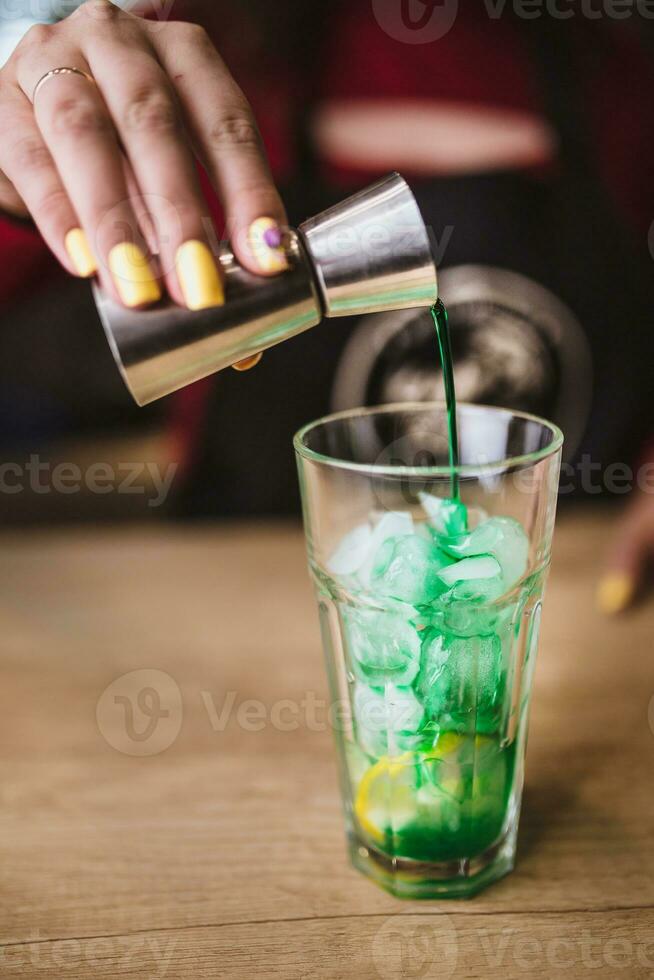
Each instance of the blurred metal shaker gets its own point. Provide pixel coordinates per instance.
(369, 254)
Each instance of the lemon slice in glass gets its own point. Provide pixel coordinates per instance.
(386, 798)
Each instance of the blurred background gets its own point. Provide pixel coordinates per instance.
(528, 142)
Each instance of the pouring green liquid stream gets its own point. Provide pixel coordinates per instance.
(439, 316)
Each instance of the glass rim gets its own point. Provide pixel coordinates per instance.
(506, 464)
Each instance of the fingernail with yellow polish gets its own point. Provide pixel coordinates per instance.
(615, 593)
(198, 276)
(248, 362)
(80, 254)
(133, 276)
(266, 242)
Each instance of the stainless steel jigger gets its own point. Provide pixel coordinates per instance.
(369, 254)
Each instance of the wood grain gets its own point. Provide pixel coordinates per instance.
(222, 856)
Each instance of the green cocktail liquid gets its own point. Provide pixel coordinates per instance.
(439, 316)
(429, 621)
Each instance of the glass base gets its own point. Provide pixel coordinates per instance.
(405, 878)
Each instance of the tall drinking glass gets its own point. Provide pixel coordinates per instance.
(429, 585)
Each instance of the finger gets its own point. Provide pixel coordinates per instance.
(139, 204)
(145, 112)
(27, 162)
(10, 199)
(617, 590)
(248, 362)
(228, 143)
(78, 132)
(626, 566)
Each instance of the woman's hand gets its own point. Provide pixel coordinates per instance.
(106, 168)
(632, 553)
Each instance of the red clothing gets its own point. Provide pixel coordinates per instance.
(24, 259)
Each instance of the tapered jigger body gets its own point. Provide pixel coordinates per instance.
(369, 254)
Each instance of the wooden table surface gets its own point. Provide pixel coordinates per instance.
(218, 851)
